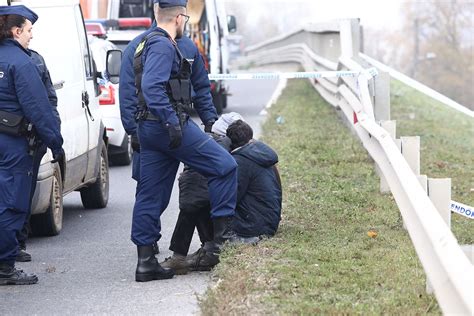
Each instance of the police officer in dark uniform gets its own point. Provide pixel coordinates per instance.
(201, 92)
(24, 110)
(39, 152)
(167, 136)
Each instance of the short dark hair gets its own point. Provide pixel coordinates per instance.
(240, 133)
(9, 21)
(166, 15)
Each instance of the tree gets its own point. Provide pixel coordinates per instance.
(438, 47)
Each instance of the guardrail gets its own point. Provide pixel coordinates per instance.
(365, 102)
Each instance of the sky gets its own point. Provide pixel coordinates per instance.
(371, 12)
(376, 13)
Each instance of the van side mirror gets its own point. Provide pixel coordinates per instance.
(231, 24)
(112, 68)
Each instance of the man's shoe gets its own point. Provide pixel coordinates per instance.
(202, 260)
(23, 256)
(148, 268)
(176, 262)
(9, 275)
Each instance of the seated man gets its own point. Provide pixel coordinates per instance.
(258, 210)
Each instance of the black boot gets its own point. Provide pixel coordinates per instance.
(222, 227)
(222, 232)
(148, 268)
(9, 275)
(22, 255)
(156, 248)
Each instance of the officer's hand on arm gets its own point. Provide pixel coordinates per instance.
(208, 126)
(135, 143)
(58, 154)
(175, 134)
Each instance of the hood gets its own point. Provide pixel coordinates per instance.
(258, 152)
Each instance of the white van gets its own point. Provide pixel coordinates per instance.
(59, 36)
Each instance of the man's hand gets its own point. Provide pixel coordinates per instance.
(175, 134)
(58, 154)
(208, 126)
(135, 143)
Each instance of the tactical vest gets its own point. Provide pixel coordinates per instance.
(178, 87)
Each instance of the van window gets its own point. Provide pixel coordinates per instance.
(83, 42)
(136, 9)
(55, 38)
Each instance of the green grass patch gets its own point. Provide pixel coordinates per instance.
(322, 260)
(447, 146)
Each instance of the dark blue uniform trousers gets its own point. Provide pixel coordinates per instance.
(136, 177)
(15, 186)
(158, 167)
(22, 235)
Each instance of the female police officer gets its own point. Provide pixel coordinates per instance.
(23, 103)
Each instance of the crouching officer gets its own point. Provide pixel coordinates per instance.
(167, 136)
(201, 89)
(25, 113)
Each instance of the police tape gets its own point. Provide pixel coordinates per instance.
(462, 209)
(371, 72)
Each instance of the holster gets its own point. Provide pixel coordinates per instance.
(182, 112)
(17, 125)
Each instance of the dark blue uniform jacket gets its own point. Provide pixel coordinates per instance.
(258, 210)
(199, 78)
(23, 95)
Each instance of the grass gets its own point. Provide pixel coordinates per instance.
(322, 260)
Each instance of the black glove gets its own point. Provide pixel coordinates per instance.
(175, 134)
(208, 126)
(58, 155)
(135, 143)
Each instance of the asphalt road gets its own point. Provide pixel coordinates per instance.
(89, 268)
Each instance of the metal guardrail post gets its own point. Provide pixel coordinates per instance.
(439, 191)
(410, 148)
(411, 152)
(382, 97)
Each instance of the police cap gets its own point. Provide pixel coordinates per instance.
(171, 3)
(19, 10)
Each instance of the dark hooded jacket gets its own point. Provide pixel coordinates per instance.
(258, 210)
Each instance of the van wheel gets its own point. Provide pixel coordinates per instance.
(124, 158)
(50, 223)
(97, 194)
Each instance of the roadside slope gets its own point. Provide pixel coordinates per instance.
(322, 259)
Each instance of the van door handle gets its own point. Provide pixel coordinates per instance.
(85, 104)
(85, 99)
(58, 85)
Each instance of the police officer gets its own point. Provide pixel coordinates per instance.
(23, 98)
(38, 153)
(201, 89)
(167, 136)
